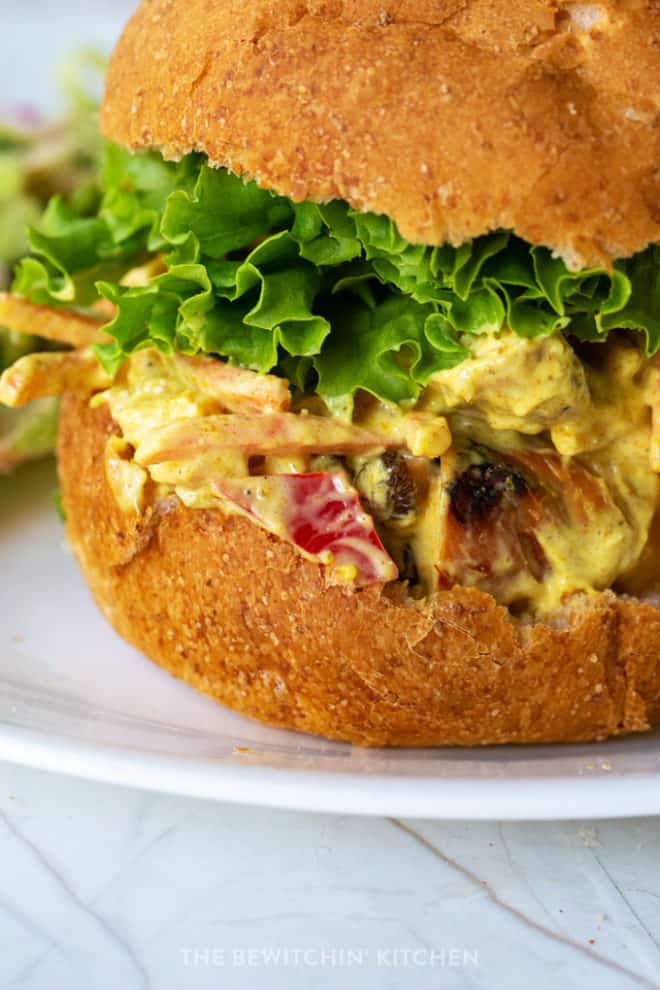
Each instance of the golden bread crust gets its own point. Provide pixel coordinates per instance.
(454, 118)
(241, 616)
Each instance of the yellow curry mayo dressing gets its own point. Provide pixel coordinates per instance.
(149, 392)
(515, 395)
(511, 395)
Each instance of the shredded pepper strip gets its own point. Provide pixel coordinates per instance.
(35, 376)
(279, 433)
(238, 389)
(60, 325)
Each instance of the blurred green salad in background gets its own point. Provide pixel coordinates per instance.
(39, 158)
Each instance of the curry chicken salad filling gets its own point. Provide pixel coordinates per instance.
(477, 415)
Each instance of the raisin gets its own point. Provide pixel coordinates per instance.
(401, 488)
(480, 488)
(387, 487)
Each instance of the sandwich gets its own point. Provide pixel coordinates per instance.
(360, 431)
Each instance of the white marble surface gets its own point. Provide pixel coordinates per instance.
(103, 887)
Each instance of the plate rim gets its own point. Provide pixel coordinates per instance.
(611, 795)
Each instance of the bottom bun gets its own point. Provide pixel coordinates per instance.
(238, 614)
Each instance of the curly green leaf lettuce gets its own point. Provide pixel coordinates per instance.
(335, 299)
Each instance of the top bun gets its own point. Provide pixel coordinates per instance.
(454, 118)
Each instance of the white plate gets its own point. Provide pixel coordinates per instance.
(75, 698)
